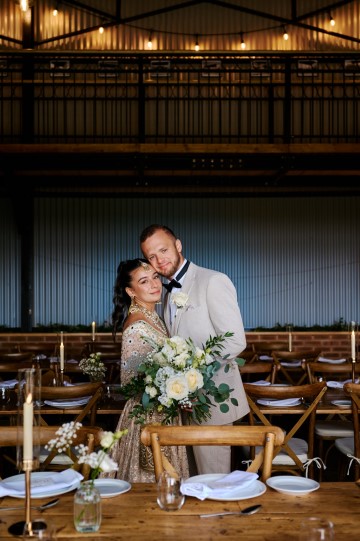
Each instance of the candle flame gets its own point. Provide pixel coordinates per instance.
(29, 398)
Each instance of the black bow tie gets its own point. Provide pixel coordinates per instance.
(174, 282)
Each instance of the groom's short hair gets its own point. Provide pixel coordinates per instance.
(151, 229)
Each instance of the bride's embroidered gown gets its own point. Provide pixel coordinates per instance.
(134, 459)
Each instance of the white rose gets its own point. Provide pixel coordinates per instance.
(194, 379)
(148, 379)
(107, 439)
(180, 299)
(177, 387)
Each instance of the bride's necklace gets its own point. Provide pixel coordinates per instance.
(152, 316)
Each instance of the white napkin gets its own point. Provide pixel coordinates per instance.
(260, 382)
(283, 402)
(221, 487)
(290, 363)
(8, 384)
(58, 403)
(331, 361)
(64, 479)
(265, 358)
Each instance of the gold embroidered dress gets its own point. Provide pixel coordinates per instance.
(135, 464)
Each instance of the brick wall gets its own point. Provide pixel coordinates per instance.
(337, 343)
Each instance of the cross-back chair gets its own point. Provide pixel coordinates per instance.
(94, 390)
(263, 350)
(256, 370)
(89, 436)
(294, 452)
(159, 436)
(329, 371)
(350, 446)
(292, 365)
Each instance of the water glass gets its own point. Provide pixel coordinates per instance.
(39, 529)
(169, 496)
(316, 529)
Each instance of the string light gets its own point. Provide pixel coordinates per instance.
(242, 44)
(55, 12)
(101, 29)
(197, 46)
(332, 21)
(285, 34)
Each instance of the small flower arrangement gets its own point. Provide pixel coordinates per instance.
(93, 367)
(178, 375)
(98, 461)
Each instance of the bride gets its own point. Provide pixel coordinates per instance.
(136, 292)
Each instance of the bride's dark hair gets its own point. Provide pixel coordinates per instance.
(121, 299)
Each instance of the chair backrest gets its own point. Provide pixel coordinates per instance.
(265, 348)
(158, 436)
(16, 357)
(94, 390)
(89, 436)
(252, 371)
(329, 371)
(353, 390)
(295, 375)
(311, 394)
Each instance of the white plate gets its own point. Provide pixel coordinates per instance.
(290, 484)
(285, 403)
(109, 488)
(342, 403)
(40, 475)
(252, 491)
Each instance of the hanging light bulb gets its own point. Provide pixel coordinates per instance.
(149, 43)
(101, 29)
(55, 12)
(332, 21)
(242, 44)
(285, 34)
(197, 46)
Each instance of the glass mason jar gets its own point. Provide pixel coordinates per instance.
(87, 508)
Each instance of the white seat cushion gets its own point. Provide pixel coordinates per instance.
(334, 429)
(300, 448)
(59, 459)
(345, 445)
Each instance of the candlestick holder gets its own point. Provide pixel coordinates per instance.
(28, 437)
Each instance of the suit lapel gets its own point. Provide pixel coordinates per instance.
(186, 288)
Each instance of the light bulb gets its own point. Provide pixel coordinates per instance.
(24, 5)
(197, 47)
(285, 36)
(332, 21)
(101, 29)
(243, 45)
(149, 44)
(55, 12)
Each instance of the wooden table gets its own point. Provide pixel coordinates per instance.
(135, 516)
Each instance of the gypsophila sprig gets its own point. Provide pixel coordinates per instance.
(65, 437)
(178, 375)
(98, 461)
(93, 367)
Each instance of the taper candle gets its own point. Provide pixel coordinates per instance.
(93, 327)
(62, 353)
(28, 413)
(353, 353)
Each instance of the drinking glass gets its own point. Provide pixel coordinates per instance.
(39, 529)
(316, 529)
(169, 496)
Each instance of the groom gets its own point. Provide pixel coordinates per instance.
(208, 308)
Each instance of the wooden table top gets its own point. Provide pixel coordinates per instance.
(135, 516)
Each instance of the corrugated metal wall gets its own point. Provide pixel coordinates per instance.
(292, 260)
(218, 27)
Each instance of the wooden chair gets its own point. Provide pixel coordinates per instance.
(294, 452)
(89, 436)
(329, 371)
(350, 446)
(94, 390)
(158, 436)
(292, 365)
(256, 370)
(263, 350)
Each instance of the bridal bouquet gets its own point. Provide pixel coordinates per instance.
(178, 375)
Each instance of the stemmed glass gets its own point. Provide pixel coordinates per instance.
(316, 529)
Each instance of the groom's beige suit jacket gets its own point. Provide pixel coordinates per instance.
(212, 309)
